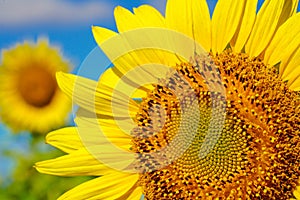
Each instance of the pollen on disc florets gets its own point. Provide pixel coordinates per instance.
(256, 155)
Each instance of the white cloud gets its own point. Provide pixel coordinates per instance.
(15, 13)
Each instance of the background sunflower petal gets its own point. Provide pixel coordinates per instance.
(32, 66)
(225, 21)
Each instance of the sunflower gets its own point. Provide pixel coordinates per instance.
(194, 107)
(30, 98)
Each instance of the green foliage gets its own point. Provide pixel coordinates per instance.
(27, 183)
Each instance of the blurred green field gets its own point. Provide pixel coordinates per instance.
(24, 182)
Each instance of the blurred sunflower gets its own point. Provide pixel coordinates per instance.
(30, 98)
(221, 125)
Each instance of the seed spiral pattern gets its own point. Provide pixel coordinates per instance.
(256, 154)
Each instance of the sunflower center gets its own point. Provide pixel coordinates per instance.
(183, 153)
(37, 86)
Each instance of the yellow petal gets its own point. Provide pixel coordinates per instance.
(65, 139)
(87, 95)
(111, 186)
(112, 131)
(149, 16)
(289, 9)
(245, 27)
(106, 131)
(111, 78)
(125, 20)
(265, 26)
(105, 152)
(102, 34)
(81, 90)
(113, 103)
(225, 21)
(150, 46)
(294, 82)
(140, 48)
(191, 18)
(144, 17)
(71, 85)
(286, 41)
(136, 194)
(297, 192)
(291, 66)
(90, 161)
(72, 138)
(143, 57)
(78, 163)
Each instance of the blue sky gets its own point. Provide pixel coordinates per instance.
(66, 23)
